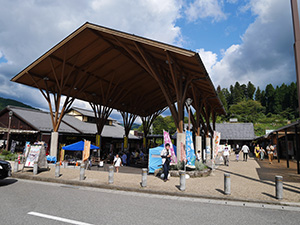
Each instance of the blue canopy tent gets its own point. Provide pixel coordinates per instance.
(155, 159)
(78, 146)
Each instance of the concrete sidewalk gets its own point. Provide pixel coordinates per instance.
(251, 181)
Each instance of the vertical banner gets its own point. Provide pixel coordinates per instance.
(125, 142)
(86, 151)
(62, 153)
(26, 150)
(190, 151)
(98, 140)
(167, 140)
(98, 143)
(216, 143)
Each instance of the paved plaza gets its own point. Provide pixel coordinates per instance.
(250, 181)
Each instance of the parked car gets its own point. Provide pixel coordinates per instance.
(5, 169)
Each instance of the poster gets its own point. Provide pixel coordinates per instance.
(33, 155)
(190, 151)
(167, 140)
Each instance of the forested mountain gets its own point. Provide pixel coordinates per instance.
(267, 109)
(6, 101)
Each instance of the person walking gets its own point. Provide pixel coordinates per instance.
(257, 150)
(245, 150)
(262, 153)
(237, 152)
(166, 159)
(270, 153)
(226, 153)
(124, 159)
(117, 163)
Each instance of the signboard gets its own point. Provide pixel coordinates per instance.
(33, 155)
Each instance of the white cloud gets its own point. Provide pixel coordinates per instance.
(200, 9)
(266, 52)
(29, 28)
(209, 58)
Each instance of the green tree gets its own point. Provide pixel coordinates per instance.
(250, 90)
(247, 111)
(222, 97)
(258, 95)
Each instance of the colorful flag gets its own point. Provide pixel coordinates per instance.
(86, 151)
(190, 151)
(216, 143)
(182, 153)
(167, 140)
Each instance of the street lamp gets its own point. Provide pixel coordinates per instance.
(188, 103)
(10, 114)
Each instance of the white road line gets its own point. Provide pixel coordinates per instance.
(57, 218)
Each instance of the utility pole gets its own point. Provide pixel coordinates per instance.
(296, 27)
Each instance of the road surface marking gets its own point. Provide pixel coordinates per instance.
(57, 218)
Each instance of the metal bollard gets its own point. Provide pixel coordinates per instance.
(111, 175)
(16, 166)
(57, 169)
(279, 187)
(35, 168)
(144, 177)
(227, 184)
(182, 180)
(82, 172)
(65, 164)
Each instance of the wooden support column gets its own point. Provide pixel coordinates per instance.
(297, 149)
(167, 80)
(128, 120)
(147, 122)
(278, 148)
(286, 148)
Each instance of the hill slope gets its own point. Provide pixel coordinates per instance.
(6, 101)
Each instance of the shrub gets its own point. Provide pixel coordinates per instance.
(200, 166)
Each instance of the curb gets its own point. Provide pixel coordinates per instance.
(148, 191)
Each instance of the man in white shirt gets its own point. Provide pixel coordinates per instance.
(245, 150)
(226, 153)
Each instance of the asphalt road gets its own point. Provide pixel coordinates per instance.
(29, 202)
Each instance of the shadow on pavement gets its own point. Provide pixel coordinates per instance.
(7, 182)
(269, 195)
(261, 181)
(221, 191)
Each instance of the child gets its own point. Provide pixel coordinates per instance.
(262, 153)
(117, 163)
(237, 153)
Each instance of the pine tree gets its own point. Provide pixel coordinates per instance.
(250, 90)
(258, 95)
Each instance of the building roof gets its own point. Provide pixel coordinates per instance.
(88, 113)
(236, 131)
(232, 131)
(41, 121)
(115, 69)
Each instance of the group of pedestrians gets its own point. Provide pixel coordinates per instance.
(237, 150)
(260, 152)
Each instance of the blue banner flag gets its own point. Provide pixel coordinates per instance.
(190, 151)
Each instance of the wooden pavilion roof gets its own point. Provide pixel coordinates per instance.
(102, 65)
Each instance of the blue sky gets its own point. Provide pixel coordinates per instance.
(238, 40)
